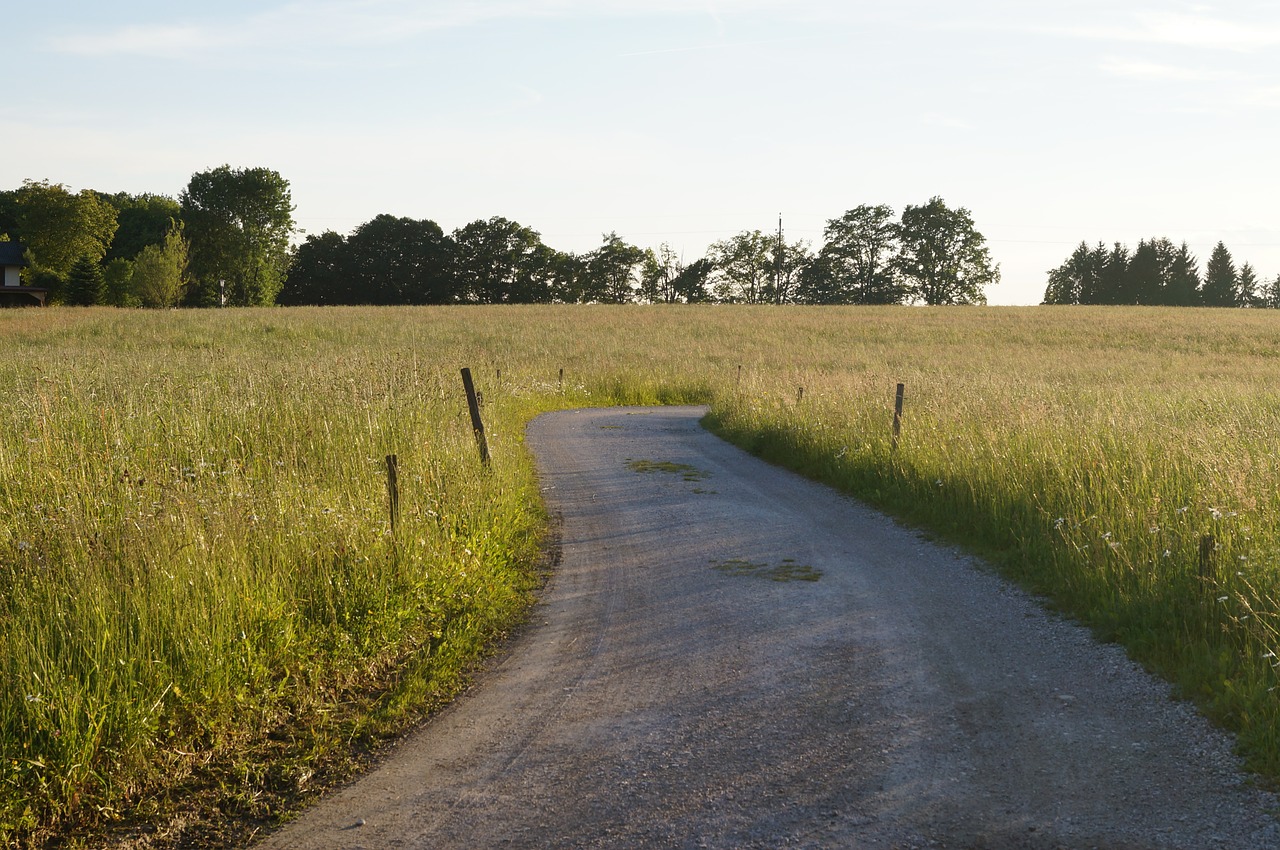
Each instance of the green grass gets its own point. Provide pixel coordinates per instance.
(201, 600)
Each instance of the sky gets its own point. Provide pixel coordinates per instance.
(677, 122)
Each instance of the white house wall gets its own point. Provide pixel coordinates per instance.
(11, 276)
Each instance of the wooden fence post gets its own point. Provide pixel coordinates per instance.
(1208, 546)
(799, 395)
(897, 415)
(560, 380)
(393, 492)
(477, 425)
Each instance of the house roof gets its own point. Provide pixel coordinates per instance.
(11, 254)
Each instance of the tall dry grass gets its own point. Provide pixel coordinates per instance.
(198, 586)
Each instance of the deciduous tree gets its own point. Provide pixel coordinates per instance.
(744, 266)
(238, 223)
(60, 228)
(319, 272)
(160, 271)
(859, 259)
(143, 220)
(399, 261)
(501, 262)
(610, 272)
(944, 259)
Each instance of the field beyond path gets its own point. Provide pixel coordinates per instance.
(731, 656)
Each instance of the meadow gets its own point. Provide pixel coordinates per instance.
(205, 615)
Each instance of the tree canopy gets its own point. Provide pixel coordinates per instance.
(238, 223)
(942, 257)
(60, 228)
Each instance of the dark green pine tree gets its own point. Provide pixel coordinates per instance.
(1221, 282)
(86, 285)
(1069, 282)
(1115, 271)
(1145, 280)
(1269, 296)
(1183, 287)
(1247, 287)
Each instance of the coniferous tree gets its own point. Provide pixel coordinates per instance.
(85, 283)
(1144, 283)
(1269, 295)
(1221, 282)
(1114, 272)
(1183, 286)
(1247, 287)
(1069, 282)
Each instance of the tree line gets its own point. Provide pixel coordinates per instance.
(933, 255)
(225, 240)
(1157, 273)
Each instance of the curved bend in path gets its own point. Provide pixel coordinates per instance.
(687, 684)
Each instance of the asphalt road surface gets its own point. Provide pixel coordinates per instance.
(730, 656)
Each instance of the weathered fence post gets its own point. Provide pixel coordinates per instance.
(477, 425)
(393, 492)
(560, 380)
(897, 415)
(799, 395)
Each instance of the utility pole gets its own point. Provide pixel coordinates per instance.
(777, 266)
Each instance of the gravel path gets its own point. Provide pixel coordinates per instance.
(730, 656)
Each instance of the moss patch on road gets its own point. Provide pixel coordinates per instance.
(786, 571)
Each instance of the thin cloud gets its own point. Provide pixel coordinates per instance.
(1160, 72)
(371, 22)
(1176, 29)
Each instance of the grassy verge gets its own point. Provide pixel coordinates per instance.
(202, 605)
(1123, 464)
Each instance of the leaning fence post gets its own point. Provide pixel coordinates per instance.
(393, 492)
(477, 425)
(897, 415)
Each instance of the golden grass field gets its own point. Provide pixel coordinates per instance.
(201, 598)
